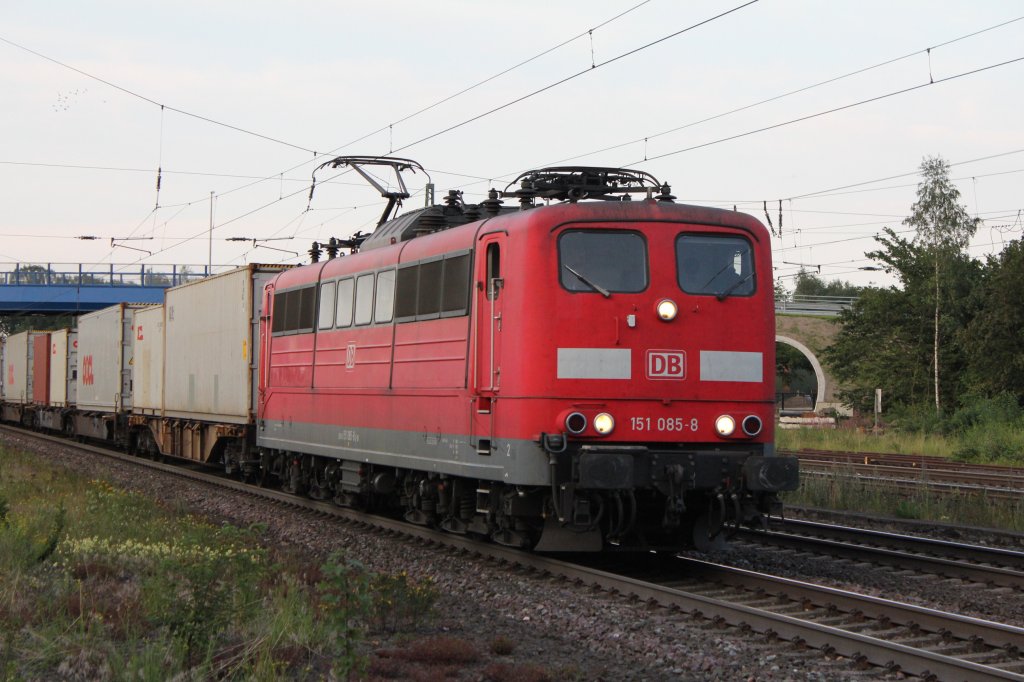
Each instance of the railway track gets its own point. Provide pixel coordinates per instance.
(880, 632)
(902, 460)
(992, 566)
(936, 473)
(872, 631)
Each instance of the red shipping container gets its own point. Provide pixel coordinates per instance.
(41, 368)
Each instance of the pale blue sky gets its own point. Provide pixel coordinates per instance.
(318, 75)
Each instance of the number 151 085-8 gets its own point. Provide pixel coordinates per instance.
(663, 424)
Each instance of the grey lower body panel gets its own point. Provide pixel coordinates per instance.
(514, 462)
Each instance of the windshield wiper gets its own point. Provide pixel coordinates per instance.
(736, 285)
(715, 276)
(586, 280)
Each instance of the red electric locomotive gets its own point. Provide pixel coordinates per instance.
(595, 371)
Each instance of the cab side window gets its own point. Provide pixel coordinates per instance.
(493, 271)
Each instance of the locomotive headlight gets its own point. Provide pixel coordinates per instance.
(725, 425)
(604, 423)
(667, 309)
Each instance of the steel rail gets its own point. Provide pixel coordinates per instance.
(849, 547)
(995, 556)
(912, 485)
(908, 659)
(966, 479)
(932, 620)
(922, 462)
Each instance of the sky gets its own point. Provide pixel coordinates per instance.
(822, 111)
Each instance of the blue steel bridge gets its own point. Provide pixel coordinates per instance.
(63, 288)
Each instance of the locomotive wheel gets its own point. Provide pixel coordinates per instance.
(705, 536)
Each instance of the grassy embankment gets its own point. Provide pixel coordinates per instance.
(97, 583)
(991, 443)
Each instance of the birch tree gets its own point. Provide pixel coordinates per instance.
(944, 228)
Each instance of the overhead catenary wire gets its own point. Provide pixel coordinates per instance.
(776, 98)
(576, 75)
(334, 150)
(826, 112)
(517, 100)
(137, 95)
(280, 196)
(476, 85)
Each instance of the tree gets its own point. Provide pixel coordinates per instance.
(809, 284)
(993, 338)
(13, 324)
(780, 291)
(886, 339)
(880, 345)
(944, 228)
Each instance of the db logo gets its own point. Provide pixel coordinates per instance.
(666, 364)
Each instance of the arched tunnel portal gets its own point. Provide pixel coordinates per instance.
(810, 336)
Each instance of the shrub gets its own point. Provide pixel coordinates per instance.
(345, 601)
(399, 601)
(199, 590)
(997, 410)
(993, 443)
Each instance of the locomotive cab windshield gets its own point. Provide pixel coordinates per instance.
(715, 265)
(605, 261)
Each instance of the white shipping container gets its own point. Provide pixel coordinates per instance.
(105, 347)
(148, 374)
(17, 369)
(211, 335)
(62, 367)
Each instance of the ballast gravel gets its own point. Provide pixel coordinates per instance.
(569, 631)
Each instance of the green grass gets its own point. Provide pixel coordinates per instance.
(984, 438)
(97, 582)
(863, 440)
(1001, 444)
(100, 583)
(845, 492)
(986, 430)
